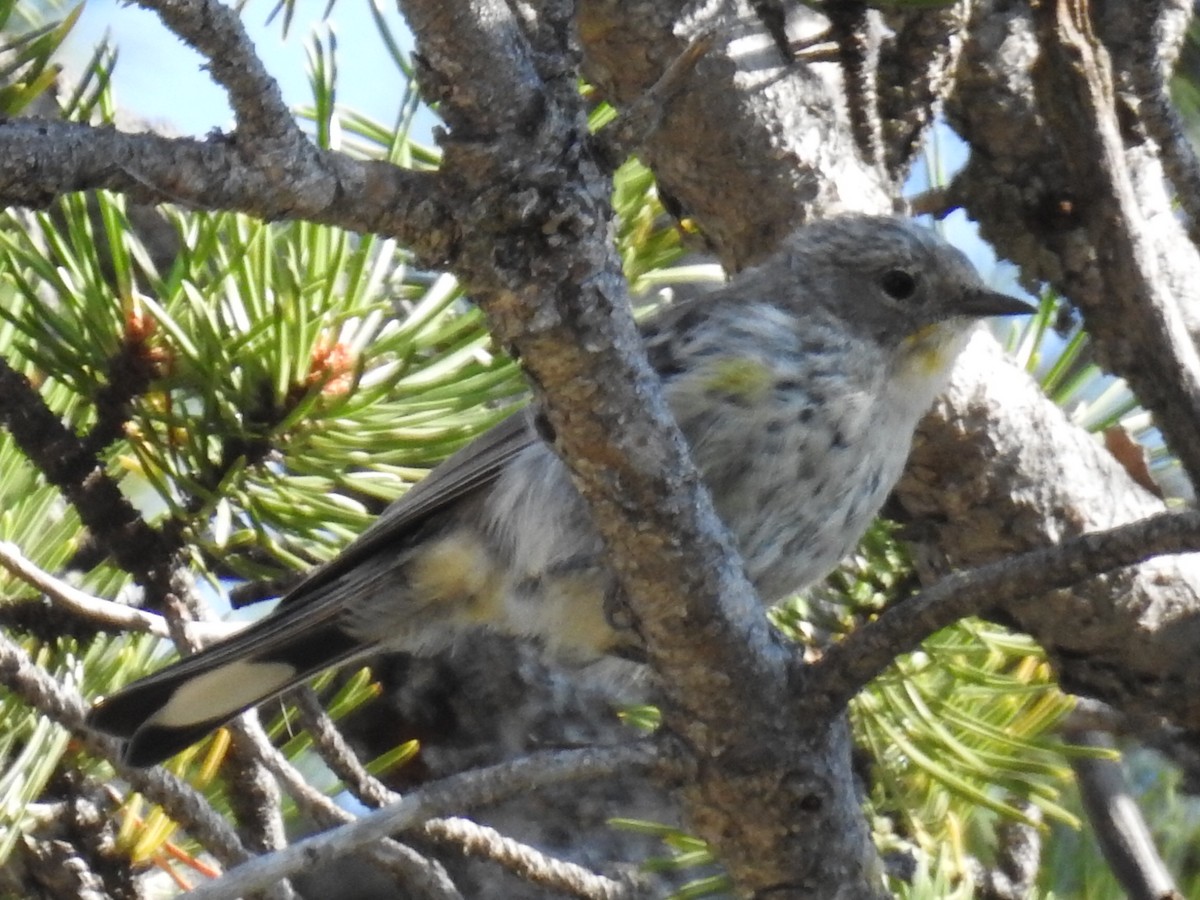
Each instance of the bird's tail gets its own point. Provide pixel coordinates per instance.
(166, 712)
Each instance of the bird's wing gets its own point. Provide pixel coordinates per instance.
(307, 607)
(281, 649)
(474, 466)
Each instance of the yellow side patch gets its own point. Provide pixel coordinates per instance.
(737, 376)
(459, 570)
(574, 615)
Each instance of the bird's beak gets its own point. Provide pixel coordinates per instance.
(984, 303)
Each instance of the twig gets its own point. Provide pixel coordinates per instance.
(857, 31)
(527, 862)
(254, 798)
(1118, 823)
(464, 835)
(63, 705)
(62, 458)
(1150, 730)
(918, 65)
(455, 792)
(105, 613)
(773, 16)
(420, 876)
(936, 201)
(849, 665)
(1018, 857)
(338, 755)
(215, 31)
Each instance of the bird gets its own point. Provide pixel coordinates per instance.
(797, 385)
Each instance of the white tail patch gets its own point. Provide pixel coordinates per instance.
(221, 692)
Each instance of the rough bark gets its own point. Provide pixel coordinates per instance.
(751, 149)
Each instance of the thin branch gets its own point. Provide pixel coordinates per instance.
(848, 666)
(1118, 824)
(215, 31)
(254, 799)
(41, 160)
(336, 753)
(918, 65)
(524, 861)
(482, 786)
(62, 459)
(105, 614)
(858, 33)
(420, 876)
(127, 376)
(465, 836)
(935, 201)
(1165, 125)
(64, 705)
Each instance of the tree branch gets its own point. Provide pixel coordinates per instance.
(420, 876)
(63, 705)
(1117, 822)
(1074, 88)
(64, 461)
(525, 861)
(461, 834)
(215, 31)
(476, 788)
(862, 655)
(917, 68)
(477, 66)
(645, 115)
(105, 614)
(536, 255)
(41, 160)
(254, 799)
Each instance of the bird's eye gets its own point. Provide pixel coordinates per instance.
(898, 284)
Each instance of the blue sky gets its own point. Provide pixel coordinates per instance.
(161, 79)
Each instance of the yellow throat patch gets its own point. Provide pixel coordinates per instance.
(929, 350)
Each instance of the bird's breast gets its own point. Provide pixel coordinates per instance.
(799, 457)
